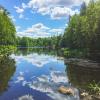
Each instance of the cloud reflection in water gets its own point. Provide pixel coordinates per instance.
(46, 83)
(34, 59)
(49, 85)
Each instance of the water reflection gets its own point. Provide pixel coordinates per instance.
(39, 51)
(7, 69)
(81, 77)
(38, 75)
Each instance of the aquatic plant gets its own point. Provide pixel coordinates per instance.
(94, 88)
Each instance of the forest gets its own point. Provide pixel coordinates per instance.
(81, 36)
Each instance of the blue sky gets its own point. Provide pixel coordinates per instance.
(41, 18)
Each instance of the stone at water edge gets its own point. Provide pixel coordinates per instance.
(84, 94)
(65, 90)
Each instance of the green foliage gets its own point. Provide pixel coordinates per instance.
(83, 9)
(83, 31)
(79, 53)
(7, 28)
(6, 50)
(50, 42)
(94, 88)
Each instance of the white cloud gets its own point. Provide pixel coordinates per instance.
(37, 3)
(37, 30)
(57, 9)
(13, 18)
(44, 10)
(21, 16)
(50, 3)
(19, 10)
(57, 31)
(65, 2)
(18, 28)
(24, 6)
(40, 30)
(62, 12)
(58, 12)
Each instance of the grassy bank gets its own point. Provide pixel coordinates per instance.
(5, 50)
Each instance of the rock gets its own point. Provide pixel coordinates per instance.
(97, 97)
(89, 97)
(65, 90)
(84, 94)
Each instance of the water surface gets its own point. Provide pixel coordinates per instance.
(37, 74)
(33, 75)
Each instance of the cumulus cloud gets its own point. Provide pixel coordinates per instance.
(39, 30)
(19, 10)
(36, 28)
(56, 9)
(65, 2)
(44, 10)
(60, 12)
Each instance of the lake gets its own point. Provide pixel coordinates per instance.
(37, 75)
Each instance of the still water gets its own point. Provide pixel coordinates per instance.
(36, 75)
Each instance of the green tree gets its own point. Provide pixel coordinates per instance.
(7, 28)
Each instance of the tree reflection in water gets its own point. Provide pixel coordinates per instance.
(81, 77)
(7, 69)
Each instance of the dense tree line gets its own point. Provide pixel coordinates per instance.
(83, 31)
(50, 42)
(7, 28)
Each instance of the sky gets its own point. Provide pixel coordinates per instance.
(41, 18)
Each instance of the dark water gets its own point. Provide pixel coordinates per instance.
(37, 75)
